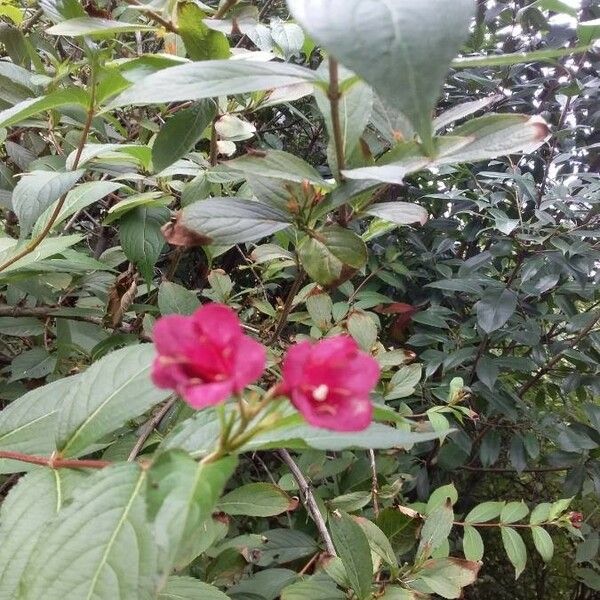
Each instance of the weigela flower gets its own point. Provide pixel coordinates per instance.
(329, 383)
(205, 357)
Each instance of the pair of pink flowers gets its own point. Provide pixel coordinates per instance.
(206, 358)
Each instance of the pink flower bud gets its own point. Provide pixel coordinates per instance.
(205, 357)
(329, 383)
(576, 518)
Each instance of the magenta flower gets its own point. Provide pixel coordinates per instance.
(205, 357)
(329, 383)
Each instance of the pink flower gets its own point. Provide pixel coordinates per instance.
(329, 383)
(205, 357)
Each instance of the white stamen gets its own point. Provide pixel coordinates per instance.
(320, 393)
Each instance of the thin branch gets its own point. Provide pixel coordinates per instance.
(55, 463)
(224, 9)
(154, 16)
(309, 500)
(29, 24)
(287, 307)
(509, 470)
(543, 370)
(374, 482)
(149, 427)
(34, 243)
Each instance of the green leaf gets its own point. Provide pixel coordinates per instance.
(436, 529)
(112, 391)
(587, 32)
(175, 299)
(181, 133)
(378, 542)
(32, 106)
(352, 547)
(141, 237)
(21, 326)
(515, 549)
(396, 593)
(102, 539)
(145, 199)
(472, 544)
(32, 364)
(460, 111)
(207, 79)
(399, 528)
(273, 164)
(400, 213)
(403, 49)
(332, 255)
(540, 513)
(486, 511)
(27, 509)
(446, 577)
(315, 590)
(265, 584)
(256, 500)
(95, 26)
(404, 382)
(500, 60)
(441, 495)
(182, 495)
(285, 545)
(227, 221)
(80, 197)
(543, 543)
(48, 247)
(495, 135)
(201, 43)
(513, 511)
(188, 588)
(495, 308)
(362, 328)
(28, 423)
(36, 191)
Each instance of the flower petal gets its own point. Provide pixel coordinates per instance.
(174, 334)
(207, 394)
(293, 364)
(250, 362)
(219, 323)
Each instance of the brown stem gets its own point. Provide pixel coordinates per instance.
(287, 307)
(543, 370)
(34, 243)
(224, 9)
(374, 483)
(149, 427)
(214, 149)
(309, 500)
(155, 16)
(55, 463)
(334, 95)
(509, 470)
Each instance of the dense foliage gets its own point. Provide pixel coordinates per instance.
(224, 226)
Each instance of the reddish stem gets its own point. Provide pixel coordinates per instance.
(55, 463)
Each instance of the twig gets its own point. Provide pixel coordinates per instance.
(224, 9)
(309, 500)
(287, 307)
(334, 95)
(55, 463)
(509, 470)
(149, 426)
(543, 370)
(374, 482)
(35, 17)
(29, 248)
(154, 16)
(214, 148)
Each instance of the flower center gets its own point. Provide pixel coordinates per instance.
(320, 393)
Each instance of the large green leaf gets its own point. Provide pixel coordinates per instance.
(206, 79)
(32, 106)
(273, 164)
(352, 546)
(332, 255)
(180, 133)
(29, 506)
(111, 391)
(515, 549)
(495, 308)
(36, 191)
(400, 213)
(141, 237)
(233, 220)
(182, 495)
(201, 43)
(94, 26)
(256, 500)
(99, 546)
(188, 588)
(401, 47)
